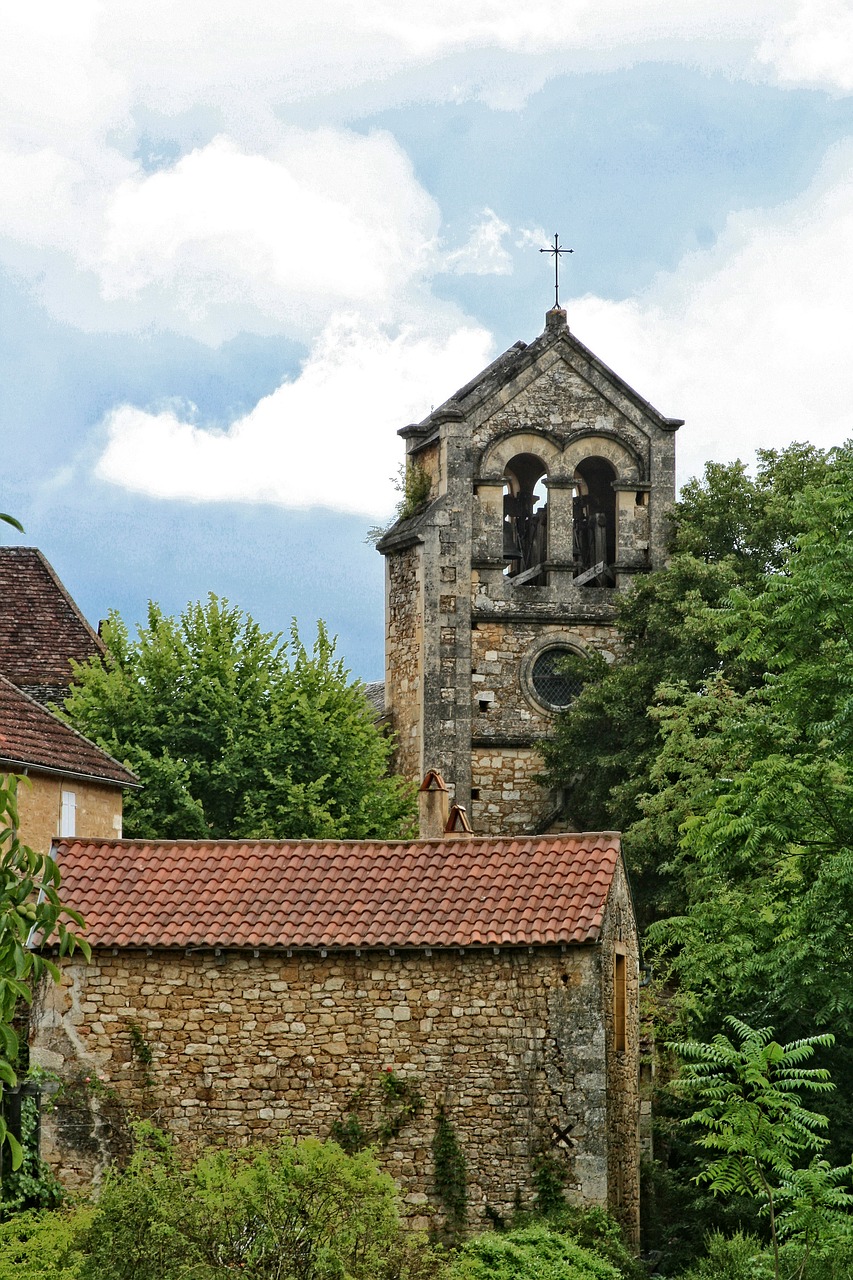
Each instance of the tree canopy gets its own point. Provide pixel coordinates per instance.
(729, 530)
(236, 733)
(721, 744)
(766, 847)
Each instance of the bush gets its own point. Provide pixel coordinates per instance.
(744, 1257)
(32, 1185)
(291, 1211)
(531, 1253)
(43, 1246)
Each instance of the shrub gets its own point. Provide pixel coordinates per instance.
(32, 1185)
(43, 1246)
(531, 1253)
(291, 1211)
(743, 1257)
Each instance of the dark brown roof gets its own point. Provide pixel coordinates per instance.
(466, 892)
(31, 737)
(41, 627)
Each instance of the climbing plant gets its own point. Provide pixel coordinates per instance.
(450, 1174)
(377, 1111)
(30, 908)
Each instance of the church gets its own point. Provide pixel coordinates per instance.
(490, 968)
(547, 481)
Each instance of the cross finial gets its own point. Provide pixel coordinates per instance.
(556, 249)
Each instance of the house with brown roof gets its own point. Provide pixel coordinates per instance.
(71, 786)
(363, 991)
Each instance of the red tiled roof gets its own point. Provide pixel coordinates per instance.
(32, 737)
(40, 625)
(477, 891)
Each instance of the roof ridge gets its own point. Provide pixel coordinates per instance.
(367, 841)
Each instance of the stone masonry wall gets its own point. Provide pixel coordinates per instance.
(506, 799)
(623, 1067)
(244, 1046)
(506, 796)
(404, 657)
(498, 650)
(99, 809)
(559, 400)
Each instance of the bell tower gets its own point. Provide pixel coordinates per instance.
(547, 482)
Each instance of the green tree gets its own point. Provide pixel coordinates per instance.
(728, 530)
(758, 1131)
(234, 733)
(761, 777)
(30, 909)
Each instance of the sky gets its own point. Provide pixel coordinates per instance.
(242, 245)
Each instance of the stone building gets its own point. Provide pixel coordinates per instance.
(239, 990)
(547, 484)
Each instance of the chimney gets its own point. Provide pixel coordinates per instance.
(433, 806)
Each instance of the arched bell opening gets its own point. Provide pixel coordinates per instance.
(594, 523)
(525, 521)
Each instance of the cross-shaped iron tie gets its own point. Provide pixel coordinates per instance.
(556, 249)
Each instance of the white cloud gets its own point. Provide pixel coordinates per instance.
(232, 235)
(484, 253)
(327, 438)
(750, 341)
(815, 46)
(266, 228)
(228, 241)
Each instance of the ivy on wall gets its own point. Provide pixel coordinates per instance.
(450, 1174)
(377, 1111)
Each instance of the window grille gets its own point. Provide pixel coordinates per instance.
(553, 685)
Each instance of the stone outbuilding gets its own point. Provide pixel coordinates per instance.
(537, 493)
(361, 990)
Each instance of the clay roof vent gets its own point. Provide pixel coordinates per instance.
(433, 806)
(458, 822)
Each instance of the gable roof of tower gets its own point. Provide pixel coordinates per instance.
(31, 737)
(452, 892)
(494, 379)
(41, 628)
(514, 361)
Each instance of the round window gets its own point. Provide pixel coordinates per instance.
(556, 687)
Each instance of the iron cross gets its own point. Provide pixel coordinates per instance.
(556, 249)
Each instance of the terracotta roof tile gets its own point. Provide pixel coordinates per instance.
(32, 737)
(472, 891)
(41, 627)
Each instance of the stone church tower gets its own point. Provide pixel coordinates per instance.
(549, 480)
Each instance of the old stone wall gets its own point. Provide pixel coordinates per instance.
(507, 719)
(502, 699)
(506, 798)
(623, 1064)
(98, 809)
(404, 657)
(242, 1046)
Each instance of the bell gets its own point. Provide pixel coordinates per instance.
(512, 551)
